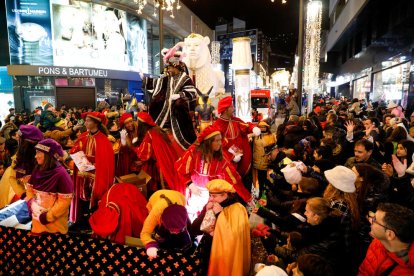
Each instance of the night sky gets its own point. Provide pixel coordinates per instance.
(279, 22)
(273, 18)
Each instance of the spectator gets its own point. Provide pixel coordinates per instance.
(363, 150)
(392, 251)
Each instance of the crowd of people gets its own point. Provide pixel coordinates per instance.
(330, 193)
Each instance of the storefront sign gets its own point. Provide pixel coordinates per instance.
(64, 71)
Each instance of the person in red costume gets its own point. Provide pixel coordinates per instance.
(202, 162)
(158, 156)
(122, 212)
(235, 131)
(90, 186)
(127, 157)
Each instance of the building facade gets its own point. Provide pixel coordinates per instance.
(80, 52)
(369, 50)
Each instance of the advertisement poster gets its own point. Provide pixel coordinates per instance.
(137, 43)
(29, 29)
(93, 35)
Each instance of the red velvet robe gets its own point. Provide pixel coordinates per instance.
(159, 157)
(133, 210)
(91, 186)
(235, 131)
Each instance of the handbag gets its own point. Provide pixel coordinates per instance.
(209, 221)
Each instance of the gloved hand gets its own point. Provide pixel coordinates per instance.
(152, 252)
(194, 189)
(237, 158)
(123, 137)
(174, 97)
(256, 131)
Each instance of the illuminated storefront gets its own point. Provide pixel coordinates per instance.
(392, 83)
(72, 45)
(361, 87)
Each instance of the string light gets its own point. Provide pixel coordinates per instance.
(167, 5)
(312, 45)
(283, 1)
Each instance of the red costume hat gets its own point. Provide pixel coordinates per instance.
(104, 221)
(207, 133)
(224, 103)
(97, 116)
(146, 118)
(126, 117)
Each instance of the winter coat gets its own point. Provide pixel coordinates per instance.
(325, 239)
(401, 191)
(48, 119)
(378, 260)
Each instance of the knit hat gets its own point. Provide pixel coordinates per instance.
(292, 174)
(218, 186)
(174, 218)
(48, 105)
(224, 103)
(30, 133)
(342, 178)
(145, 118)
(125, 117)
(51, 147)
(207, 133)
(97, 116)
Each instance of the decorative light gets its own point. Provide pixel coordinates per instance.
(167, 5)
(215, 52)
(312, 49)
(312, 45)
(283, 1)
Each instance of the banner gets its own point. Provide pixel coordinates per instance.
(29, 29)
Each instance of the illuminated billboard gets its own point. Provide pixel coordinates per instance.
(29, 29)
(76, 33)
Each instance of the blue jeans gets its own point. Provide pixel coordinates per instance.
(18, 208)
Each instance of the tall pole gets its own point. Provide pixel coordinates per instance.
(300, 53)
(161, 34)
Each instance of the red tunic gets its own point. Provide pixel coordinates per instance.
(191, 167)
(159, 157)
(235, 131)
(91, 186)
